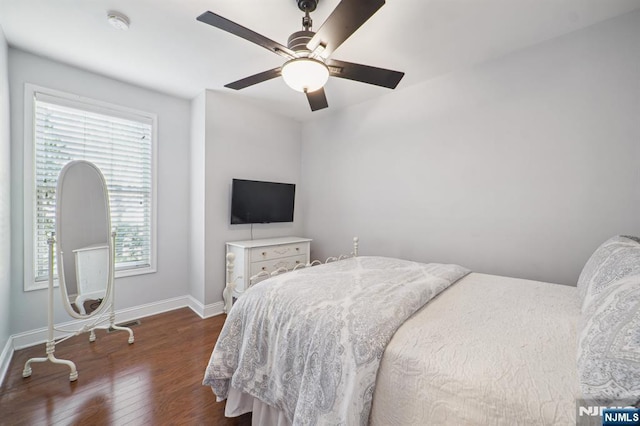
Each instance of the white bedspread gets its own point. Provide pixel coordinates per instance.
(489, 350)
(309, 342)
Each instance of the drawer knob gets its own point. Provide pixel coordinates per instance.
(264, 268)
(297, 261)
(264, 253)
(297, 248)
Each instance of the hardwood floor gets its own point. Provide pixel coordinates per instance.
(155, 381)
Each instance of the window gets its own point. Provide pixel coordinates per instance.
(121, 143)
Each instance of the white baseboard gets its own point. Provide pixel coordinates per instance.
(206, 311)
(38, 336)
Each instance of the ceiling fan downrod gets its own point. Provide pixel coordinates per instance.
(307, 6)
(307, 22)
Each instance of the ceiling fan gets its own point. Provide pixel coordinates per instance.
(308, 65)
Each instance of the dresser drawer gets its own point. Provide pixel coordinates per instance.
(274, 252)
(266, 254)
(271, 265)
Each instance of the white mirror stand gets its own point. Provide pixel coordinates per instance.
(93, 265)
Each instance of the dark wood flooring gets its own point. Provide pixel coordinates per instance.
(155, 381)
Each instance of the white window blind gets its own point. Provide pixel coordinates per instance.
(120, 144)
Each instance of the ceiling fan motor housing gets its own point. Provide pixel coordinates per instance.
(307, 5)
(298, 41)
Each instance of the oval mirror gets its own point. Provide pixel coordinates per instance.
(84, 250)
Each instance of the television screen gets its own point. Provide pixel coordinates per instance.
(261, 202)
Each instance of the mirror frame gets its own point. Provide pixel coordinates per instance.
(59, 237)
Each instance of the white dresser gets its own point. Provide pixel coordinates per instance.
(269, 254)
(92, 273)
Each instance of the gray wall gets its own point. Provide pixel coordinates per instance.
(171, 279)
(242, 141)
(5, 197)
(197, 167)
(520, 166)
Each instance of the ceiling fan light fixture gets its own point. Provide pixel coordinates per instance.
(305, 74)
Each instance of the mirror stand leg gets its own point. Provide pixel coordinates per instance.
(51, 347)
(112, 320)
(51, 343)
(112, 312)
(92, 336)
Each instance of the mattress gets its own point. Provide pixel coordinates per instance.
(488, 350)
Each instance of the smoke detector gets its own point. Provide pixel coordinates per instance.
(118, 20)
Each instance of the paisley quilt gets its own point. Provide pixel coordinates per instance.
(309, 342)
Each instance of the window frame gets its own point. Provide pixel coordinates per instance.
(85, 104)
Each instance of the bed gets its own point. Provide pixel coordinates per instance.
(490, 350)
(473, 349)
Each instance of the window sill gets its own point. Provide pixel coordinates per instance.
(135, 271)
(43, 285)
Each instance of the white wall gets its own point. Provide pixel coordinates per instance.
(197, 260)
(171, 280)
(244, 142)
(5, 197)
(520, 166)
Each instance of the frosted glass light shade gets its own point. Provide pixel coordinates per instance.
(305, 74)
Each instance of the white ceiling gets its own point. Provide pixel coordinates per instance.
(166, 49)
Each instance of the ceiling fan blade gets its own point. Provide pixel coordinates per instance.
(240, 31)
(254, 79)
(364, 73)
(317, 100)
(345, 19)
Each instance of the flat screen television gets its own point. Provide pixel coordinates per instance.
(255, 201)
